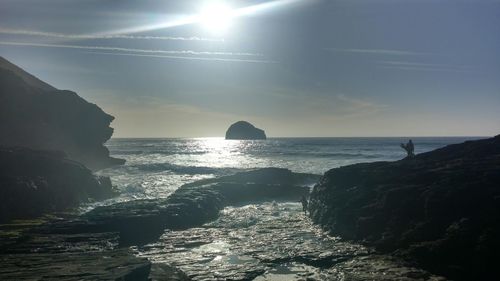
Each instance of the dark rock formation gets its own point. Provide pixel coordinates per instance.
(142, 221)
(37, 252)
(440, 209)
(35, 182)
(165, 272)
(94, 265)
(36, 115)
(243, 130)
(90, 246)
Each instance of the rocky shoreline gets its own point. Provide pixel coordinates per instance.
(272, 241)
(35, 182)
(106, 232)
(440, 209)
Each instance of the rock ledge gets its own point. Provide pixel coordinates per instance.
(440, 209)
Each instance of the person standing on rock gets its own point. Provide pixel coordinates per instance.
(304, 204)
(409, 148)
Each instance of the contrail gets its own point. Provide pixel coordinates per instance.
(102, 36)
(377, 51)
(413, 68)
(119, 49)
(418, 66)
(185, 58)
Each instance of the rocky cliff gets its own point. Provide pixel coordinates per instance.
(243, 130)
(440, 209)
(36, 115)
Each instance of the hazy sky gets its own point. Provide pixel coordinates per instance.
(291, 67)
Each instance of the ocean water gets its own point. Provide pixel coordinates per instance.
(157, 167)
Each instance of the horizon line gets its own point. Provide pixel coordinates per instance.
(323, 137)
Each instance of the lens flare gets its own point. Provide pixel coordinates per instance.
(216, 17)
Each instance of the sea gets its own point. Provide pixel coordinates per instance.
(157, 167)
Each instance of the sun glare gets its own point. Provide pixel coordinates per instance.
(216, 17)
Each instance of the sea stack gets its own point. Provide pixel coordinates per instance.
(35, 115)
(243, 130)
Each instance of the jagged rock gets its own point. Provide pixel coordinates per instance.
(36, 115)
(107, 265)
(243, 130)
(440, 209)
(34, 251)
(35, 182)
(165, 272)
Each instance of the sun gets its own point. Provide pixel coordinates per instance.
(216, 17)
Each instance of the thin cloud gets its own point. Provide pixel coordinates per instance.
(360, 107)
(357, 102)
(340, 107)
(328, 106)
(378, 52)
(417, 66)
(120, 49)
(428, 69)
(185, 58)
(102, 36)
(405, 65)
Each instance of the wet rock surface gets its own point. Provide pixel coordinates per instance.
(143, 221)
(208, 231)
(440, 209)
(271, 241)
(35, 250)
(92, 246)
(107, 265)
(33, 182)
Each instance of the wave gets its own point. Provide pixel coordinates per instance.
(349, 155)
(179, 169)
(126, 152)
(163, 152)
(321, 155)
(150, 152)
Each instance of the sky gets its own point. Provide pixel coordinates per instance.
(295, 68)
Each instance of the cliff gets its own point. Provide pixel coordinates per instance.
(243, 130)
(440, 209)
(36, 115)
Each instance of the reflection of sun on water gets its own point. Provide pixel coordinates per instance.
(220, 151)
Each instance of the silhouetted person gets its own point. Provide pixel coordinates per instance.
(409, 148)
(304, 204)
